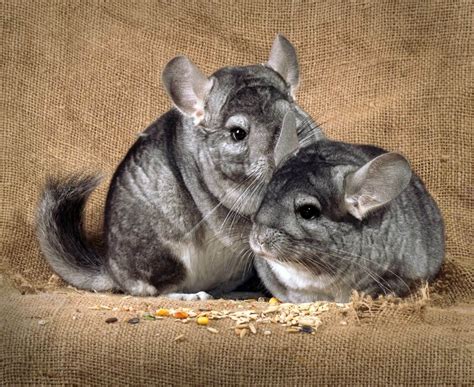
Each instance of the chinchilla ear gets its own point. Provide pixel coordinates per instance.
(288, 140)
(187, 86)
(284, 61)
(376, 184)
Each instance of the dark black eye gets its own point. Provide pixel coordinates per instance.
(238, 134)
(308, 211)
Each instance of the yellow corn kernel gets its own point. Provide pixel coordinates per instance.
(203, 320)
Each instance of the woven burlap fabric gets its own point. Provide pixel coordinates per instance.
(81, 79)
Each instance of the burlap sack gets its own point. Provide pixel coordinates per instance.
(80, 79)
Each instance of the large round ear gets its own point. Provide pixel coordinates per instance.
(187, 86)
(284, 61)
(376, 184)
(288, 140)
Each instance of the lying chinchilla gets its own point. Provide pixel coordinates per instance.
(338, 217)
(177, 211)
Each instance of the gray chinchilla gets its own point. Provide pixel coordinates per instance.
(338, 217)
(177, 215)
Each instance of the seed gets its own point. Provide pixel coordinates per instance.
(243, 332)
(343, 322)
(180, 314)
(134, 320)
(306, 321)
(273, 301)
(267, 333)
(42, 322)
(178, 338)
(148, 316)
(162, 312)
(111, 320)
(212, 330)
(252, 328)
(202, 320)
(307, 329)
(292, 330)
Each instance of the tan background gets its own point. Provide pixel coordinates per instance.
(80, 79)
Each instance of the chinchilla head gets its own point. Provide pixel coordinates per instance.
(235, 121)
(323, 202)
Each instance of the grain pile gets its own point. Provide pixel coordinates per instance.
(251, 317)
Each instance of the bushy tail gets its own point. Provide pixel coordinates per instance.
(62, 237)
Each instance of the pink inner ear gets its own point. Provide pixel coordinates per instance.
(199, 114)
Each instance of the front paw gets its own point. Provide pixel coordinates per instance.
(189, 296)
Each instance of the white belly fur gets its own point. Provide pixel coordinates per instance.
(300, 279)
(209, 265)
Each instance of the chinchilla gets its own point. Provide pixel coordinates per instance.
(338, 217)
(177, 213)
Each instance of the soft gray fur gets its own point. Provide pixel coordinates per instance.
(338, 217)
(177, 214)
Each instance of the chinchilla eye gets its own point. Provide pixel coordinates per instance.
(238, 134)
(308, 211)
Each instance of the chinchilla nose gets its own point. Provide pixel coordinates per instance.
(260, 239)
(258, 235)
(264, 235)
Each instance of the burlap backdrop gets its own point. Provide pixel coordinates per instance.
(80, 79)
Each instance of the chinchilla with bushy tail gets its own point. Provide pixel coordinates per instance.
(177, 214)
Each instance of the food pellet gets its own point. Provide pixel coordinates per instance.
(134, 320)
(162, 312)
(111, 320)
(203, 320)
